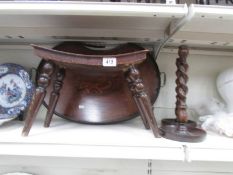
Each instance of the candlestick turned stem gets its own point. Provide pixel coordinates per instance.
(182, 129)
(181, 84)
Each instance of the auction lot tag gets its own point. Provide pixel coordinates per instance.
(109, 62)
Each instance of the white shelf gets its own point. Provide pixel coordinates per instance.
(128, 140)
(58, 21)
(207, 26)
(53, 22)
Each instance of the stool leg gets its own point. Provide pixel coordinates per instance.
(54, 96)
(43, 80)
(132, 85)
(141, 111)
(142, 100)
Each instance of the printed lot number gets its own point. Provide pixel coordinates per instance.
(109, 62)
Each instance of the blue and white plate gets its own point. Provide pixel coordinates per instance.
(16, 90)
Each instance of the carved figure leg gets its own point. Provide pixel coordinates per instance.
(132, 89)
(54, 96)
(142, 100)
(43, 80)
(144, 119)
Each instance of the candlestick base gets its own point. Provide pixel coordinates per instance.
(184, 132)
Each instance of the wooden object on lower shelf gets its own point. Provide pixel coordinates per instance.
(43, 80)
(96, 94)
(141, 99)
(182, 129)
(57, 85)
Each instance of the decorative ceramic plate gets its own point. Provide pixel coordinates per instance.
(16, 90)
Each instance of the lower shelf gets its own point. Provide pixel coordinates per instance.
(127, 140)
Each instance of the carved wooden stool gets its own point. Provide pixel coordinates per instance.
(95, 86)
(182, 129)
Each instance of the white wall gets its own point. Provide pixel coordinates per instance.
(203, 71)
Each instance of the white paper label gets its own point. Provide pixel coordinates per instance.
(109, 62)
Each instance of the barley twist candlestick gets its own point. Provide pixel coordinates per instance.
(181, 129)
(181, 87)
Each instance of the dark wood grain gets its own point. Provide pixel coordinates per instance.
(69, 58)
(141, 99)
(100, 95)
(57, 85)
(135, 82)
(181, 84)
(180, 128)
(43, 80)
(91, 93)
